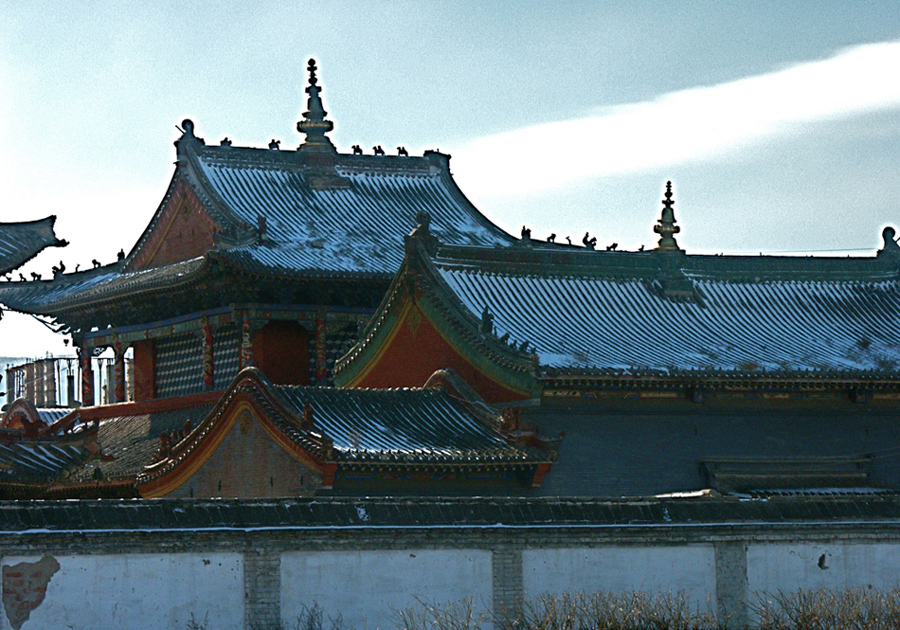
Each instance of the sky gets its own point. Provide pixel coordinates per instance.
(778, 123)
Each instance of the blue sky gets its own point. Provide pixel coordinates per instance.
(779, 123)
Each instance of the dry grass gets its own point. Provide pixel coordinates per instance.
(425, 615)
(612, 611)
(852, 609)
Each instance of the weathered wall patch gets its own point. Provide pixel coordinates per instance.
(24, 588)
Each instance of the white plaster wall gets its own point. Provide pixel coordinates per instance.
(690, 569)
(364, 587)
(787, 567)
(147, 591)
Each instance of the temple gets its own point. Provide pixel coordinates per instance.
(466, 361)
(263, 257)
(668, 372)
(271, 261)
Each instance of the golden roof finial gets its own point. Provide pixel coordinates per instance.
(314, 125)
(666, 227)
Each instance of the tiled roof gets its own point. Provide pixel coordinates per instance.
(406, 426)
(20, 242)
(130, 442)
(49, 415)
(103, 283)
(354, 230)
(44, 460)
(609, 312)
(332, 513)
(373, 428)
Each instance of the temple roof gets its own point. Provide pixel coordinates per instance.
(406, 426)
(282, 215)
(107, 283)
(353, 230)
(348, 233)
(662, 312)
(587, 321)
(432, 427)
(20, 242)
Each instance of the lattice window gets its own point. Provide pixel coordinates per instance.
(226, 354)
(179, 365)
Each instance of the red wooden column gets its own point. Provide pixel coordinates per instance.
(144, 369)
(321, 356)
(246, 356)
(209, 380)
(119, 372)
(87, 376)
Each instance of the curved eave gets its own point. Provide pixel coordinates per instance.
(117, 287)
(457, 192)
(22, 241)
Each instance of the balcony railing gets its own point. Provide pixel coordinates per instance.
(56, 381)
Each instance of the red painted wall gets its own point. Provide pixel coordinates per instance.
(414, 355)
(184, 231)
(144, 370)
(281, 351)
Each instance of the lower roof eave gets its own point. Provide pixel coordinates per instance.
(443, 466)
(800, 381)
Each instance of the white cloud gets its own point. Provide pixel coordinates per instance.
(682, 126)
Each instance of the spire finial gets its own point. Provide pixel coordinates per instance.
(315, 126)
(666, 227)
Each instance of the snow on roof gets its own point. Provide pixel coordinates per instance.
(625, 325)
(359, 228)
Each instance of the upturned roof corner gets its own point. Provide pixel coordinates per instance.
(20, 242)
(187, 139)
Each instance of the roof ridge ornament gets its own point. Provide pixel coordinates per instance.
(187, 138)
(666, 227)
(890, 247)
(315, 125)
(422, 235)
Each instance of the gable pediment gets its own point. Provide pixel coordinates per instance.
(181, 230)
(235, 453)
